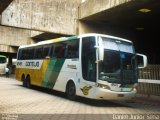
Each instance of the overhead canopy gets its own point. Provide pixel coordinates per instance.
(137, 20)
(4, 4)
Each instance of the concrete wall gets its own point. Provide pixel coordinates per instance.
(14, 36)
(28, 18)
(7, 48)
(57, 16)
(11, 38)
(90, 7)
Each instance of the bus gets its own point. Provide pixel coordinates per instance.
(3, 64)
(91, 65)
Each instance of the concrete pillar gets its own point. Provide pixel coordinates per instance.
(10, 60)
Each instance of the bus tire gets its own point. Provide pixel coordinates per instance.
(71, 91)
(28, 81)
(24, 81)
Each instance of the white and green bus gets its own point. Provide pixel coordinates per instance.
(90, 65)
(3, 64)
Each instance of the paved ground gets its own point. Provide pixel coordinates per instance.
(17, 100)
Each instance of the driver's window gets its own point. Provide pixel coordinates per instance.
(88, 59)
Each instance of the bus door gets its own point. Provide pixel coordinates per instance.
(88, 64)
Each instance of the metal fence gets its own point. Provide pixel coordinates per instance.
(149, 80)
(150, 72)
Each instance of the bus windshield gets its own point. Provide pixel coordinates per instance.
(119, 64)
(2, 60)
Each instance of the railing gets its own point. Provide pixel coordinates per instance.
(149, 80)
(150, 72)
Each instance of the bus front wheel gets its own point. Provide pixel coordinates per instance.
(71, 91)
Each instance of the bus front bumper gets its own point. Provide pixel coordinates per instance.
(106, 94)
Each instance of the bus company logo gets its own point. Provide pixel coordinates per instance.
(32, 64)
(72, 66)
(86, 89)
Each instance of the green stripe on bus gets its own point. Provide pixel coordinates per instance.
(52, 72)
(72, 38)
(69, 38)
(3, 56)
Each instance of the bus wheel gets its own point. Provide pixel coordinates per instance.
(24, 81)
(28, 84)
(71, 91)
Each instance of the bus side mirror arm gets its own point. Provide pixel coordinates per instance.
(143, 62)
(100, 53)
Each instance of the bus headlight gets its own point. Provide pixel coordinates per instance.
(135, 86)
(103, 86)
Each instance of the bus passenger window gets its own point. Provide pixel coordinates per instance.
(30, 53)
(38, 53)
(72, 49)
(51, 51)
(46, 52)
(19, 54)
(60, 53)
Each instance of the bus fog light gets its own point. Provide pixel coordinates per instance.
(103, 86)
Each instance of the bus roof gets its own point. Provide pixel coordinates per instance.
(103, 35)
(72, 38)
(2, 56)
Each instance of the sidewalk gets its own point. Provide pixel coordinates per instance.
(10, 75)
(145, 99)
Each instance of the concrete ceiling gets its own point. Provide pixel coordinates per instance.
(127, 21)
(128, 16)
(4, 4)
(47, 36)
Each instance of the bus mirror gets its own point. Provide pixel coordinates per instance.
(100, 50)
(141, 60)
(101, 53)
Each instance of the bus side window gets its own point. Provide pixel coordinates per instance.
(51, 51)
(19, 54)
(54, 54)
(27, 54)
(59, 51)
(24, 54)
(46, 52)
(31, 53)
(72, 49)
(38, 53)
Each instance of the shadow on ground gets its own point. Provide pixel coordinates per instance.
(87, 101)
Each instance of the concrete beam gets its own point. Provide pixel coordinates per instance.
(14, 36)
(57, 16)
(91, 7)
(8, 49)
